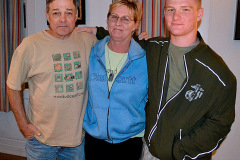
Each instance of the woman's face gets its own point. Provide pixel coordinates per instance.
(121, 24)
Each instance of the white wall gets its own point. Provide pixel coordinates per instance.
(217, 28)
(220, 38)
(11, 140)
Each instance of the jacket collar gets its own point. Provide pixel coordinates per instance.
(195, 53)
(135, 50)
(189, 58)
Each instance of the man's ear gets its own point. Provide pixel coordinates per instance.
(200, 14)
(76, 15)
(47, 16)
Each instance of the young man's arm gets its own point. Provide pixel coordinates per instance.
(16, 101)
(101, 33)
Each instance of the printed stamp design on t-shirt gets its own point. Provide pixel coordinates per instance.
(56, 57)
(68, 74)
(68, 67)
(79, 75)
(76, 55)
(79, 85)
(58, 78)
(70, 88)
(67, 56)
(77, 65)
(58, 88)
(58, 67)
(69, 77)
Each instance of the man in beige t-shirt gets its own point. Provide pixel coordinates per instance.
(55, 65)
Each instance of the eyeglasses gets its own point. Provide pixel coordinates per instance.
(124, 19)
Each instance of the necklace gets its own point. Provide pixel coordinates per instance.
(113, 72)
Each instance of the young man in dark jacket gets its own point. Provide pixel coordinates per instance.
(191, 90)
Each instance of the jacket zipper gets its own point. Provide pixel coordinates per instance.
(109, 91)
(104, 68)
(108, 137)
(160, 111)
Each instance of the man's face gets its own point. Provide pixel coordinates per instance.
(182, 16)
(62, 16)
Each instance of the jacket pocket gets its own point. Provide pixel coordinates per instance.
(123, 124)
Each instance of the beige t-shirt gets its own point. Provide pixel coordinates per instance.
(56, 71)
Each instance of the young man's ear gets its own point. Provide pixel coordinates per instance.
(200, 14)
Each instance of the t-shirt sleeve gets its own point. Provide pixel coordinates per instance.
(19, 67)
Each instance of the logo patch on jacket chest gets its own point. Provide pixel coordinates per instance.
(194, 94)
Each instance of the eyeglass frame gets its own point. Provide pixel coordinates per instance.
(121, 19)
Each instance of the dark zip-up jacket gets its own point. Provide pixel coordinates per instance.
(192, 123)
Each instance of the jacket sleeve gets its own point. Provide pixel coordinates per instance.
(101, 33)
(208, 135)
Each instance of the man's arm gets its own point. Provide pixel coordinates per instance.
(90, 30)
(101, 33)
(208, 135)
(16, 101)
(141, 39)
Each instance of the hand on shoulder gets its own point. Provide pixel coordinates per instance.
(90, 30)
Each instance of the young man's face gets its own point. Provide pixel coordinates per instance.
(62, 16)
(182, 16)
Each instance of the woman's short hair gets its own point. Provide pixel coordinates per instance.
(134, 6)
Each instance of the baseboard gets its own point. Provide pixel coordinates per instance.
(12, 146)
